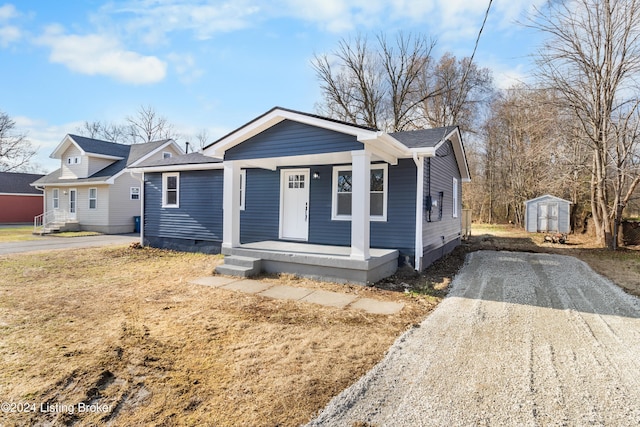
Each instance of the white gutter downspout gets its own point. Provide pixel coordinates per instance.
(419, 161)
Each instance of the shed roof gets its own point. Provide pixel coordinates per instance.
(547, 196)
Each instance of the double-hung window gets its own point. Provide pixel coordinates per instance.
(170, 190)
(93, 198)
(56, 198)
(342, 192)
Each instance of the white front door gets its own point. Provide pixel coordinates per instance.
(73, 203)
(294, 204)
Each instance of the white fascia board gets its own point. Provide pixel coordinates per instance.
(461, 158)
(66, 141)
(21, 194)
(424, 151)
(218, 149)
(75, 184)
(174, 168)
(103, 156)
(448, 136)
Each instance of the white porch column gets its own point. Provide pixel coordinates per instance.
(360, 204)
(231, 205)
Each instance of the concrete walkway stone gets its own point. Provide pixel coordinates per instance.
(248, 286)
(321, 297)
(330, 299)
(286, 292)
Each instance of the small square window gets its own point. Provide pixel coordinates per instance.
(135, 193)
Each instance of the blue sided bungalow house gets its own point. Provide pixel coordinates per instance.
(295, 192)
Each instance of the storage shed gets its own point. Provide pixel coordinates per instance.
(547, 214)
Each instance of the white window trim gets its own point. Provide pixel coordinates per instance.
(334, 193)
(243, 188)
(94, 198)
(164, 189)
(455, 197)
(55, 198)
(131, 193)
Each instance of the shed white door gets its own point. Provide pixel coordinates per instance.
(547, 217)
(294, 204)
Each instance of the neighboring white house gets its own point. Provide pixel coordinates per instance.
(548, 214)
(91, 189)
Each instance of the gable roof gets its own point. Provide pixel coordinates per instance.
(18, 183)
(547, 196)
(388, 147)
(124, 155)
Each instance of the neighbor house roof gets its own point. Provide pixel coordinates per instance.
(18, 183)
(191, 161)
(124, 155)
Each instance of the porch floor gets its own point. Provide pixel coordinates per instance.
(321, 262)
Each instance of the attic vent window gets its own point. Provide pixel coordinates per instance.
(166, 155)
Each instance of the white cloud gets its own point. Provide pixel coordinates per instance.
(204, 18)
(8, 33)
(97, 54)
(7, 11)
(185, 66)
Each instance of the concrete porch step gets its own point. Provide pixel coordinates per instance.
(239, 266)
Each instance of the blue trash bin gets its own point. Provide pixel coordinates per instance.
(136, 222)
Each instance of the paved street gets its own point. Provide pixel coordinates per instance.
(50, 243)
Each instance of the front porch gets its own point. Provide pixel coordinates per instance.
(320, 262)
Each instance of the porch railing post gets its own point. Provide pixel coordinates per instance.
(360, 204)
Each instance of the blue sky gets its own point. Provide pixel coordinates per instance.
(213, 65)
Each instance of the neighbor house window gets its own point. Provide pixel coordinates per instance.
(56, 198)
(135, 193)
(166, 155)
(243, 184)
(171, 190)
(455, 197)
(342, 188)
(93, 198)
(76, 160)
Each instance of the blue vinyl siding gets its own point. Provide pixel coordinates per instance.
(199, 216)
(289, 138)
(440, 237)
(260, 220)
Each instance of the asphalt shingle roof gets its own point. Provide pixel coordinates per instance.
(186, 159)
(423, 138)
(129, 153)
(18, 183)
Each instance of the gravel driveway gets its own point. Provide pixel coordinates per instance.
(522, 339)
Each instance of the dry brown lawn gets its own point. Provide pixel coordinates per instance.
(124, 328)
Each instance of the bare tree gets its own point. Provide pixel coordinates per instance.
(592, 57)
(147, 125)
(376, 87)
(16, 150)
(202, 138)
(111, 132)
(455, 90)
